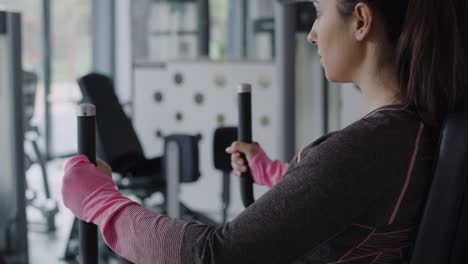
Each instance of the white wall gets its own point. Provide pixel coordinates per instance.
(9, 4)
(200, 77)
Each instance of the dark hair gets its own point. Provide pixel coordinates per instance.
(430, 38)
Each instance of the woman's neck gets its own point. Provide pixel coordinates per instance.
(380, 86)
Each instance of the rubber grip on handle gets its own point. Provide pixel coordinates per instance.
(245, 135)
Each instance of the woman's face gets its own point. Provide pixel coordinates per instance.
(337, 47)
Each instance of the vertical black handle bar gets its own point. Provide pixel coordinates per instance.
(245, 135)
(87, 147)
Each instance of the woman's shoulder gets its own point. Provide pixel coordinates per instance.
(384, 124)
(383, 142)
(390, 131)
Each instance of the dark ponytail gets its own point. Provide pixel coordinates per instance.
(431, 46)
(432, 58)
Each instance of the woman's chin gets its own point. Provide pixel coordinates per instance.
(329, 77)
(334, 78)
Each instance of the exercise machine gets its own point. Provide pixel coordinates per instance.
(180, 164)
(223, 138)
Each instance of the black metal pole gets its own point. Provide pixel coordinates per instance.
(87, 147)
(47, 42)
(245, 28)
(204, 28)
(245, 135)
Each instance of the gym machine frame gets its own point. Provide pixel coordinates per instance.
(13, 236)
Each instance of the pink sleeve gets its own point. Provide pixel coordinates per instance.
(132, 231)
(265, 171)
(142, 236)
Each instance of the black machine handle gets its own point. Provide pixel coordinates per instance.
(245, 135)
(87, 147)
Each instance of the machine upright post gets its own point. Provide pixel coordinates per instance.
(172, 170)
(87, 147)
(226, 195)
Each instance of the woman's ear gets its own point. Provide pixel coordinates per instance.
(363, 20)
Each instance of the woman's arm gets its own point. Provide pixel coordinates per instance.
(130, 230)
(266, 171)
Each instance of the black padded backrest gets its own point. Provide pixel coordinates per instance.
(117, 141)
(443, 233)
(223, 138)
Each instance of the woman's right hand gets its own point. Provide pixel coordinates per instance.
(237, 162)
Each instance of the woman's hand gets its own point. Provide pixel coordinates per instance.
(104, 168)
(237, 162)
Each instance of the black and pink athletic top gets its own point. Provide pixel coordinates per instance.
(353, 196)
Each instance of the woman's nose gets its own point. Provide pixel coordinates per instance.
(312, 37)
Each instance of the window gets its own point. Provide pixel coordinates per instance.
(165, 30)
(71, 58)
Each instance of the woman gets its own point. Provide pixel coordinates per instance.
(353, 196)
